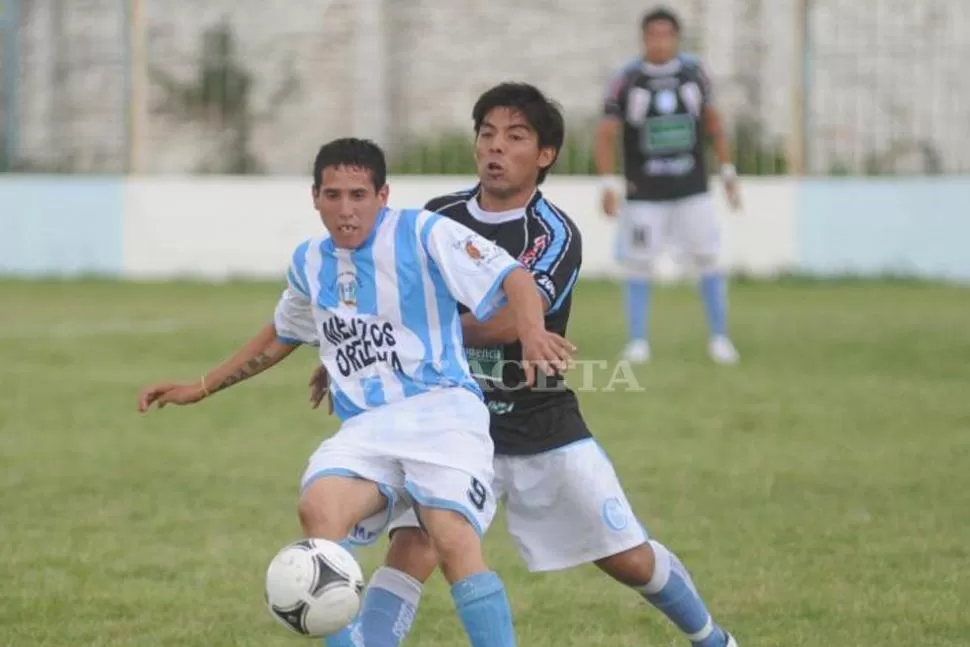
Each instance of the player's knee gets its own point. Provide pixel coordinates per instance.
(330, 506)
(412, 552)
(322, 518)
(633, 567)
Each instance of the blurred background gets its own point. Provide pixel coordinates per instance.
(829, 87)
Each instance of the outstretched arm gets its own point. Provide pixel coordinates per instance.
(258, 354)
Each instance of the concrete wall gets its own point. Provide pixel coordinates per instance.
(219, 227)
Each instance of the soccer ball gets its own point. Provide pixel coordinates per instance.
(313, 587)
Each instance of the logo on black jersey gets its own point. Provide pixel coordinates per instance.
(531, 255)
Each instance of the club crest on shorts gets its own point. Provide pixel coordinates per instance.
(615, 514)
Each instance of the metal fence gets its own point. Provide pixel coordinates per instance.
(252, 86)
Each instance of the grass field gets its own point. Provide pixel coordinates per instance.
(819, 492)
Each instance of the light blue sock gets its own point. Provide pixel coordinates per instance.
(637, 307)
(484, 610)
(672, 592)
(388, 609)
(713, 287)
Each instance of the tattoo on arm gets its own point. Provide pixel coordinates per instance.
(254, 366)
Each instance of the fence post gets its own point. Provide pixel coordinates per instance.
(10, 83)
(801, 89)
(135, 71)
(370, 98)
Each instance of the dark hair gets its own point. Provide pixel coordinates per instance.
(660, 14)
(350, 151)
(541, 113)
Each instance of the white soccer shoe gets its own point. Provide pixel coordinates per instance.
(722, 351)
(637, 352)
(731, 642)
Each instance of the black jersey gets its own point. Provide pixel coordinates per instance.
(547, 243)
(661, 107)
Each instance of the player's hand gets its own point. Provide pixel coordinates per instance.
(610, 202)
(547, 352)
(320, 387)
(733, 189)
(168, 393)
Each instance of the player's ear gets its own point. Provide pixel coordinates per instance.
(547, 156)
(314, 192)
(383, 194)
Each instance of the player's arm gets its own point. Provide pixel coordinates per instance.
(604, 143)
(714, 129)
(261, 352)
(484, 277)
(291, 327)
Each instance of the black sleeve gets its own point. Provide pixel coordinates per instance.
(615, 97)
(557, 266)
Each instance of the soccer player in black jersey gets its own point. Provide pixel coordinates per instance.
(564, 504)
(662, 106)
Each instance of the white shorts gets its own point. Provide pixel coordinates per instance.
(432, 449)
(689, 227)
(564, 507)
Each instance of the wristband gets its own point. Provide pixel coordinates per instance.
(609, 183)
(728, 172)
(205, 391)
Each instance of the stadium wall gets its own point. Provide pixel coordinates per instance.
(217, 228)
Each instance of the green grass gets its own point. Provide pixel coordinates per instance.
(820, 491)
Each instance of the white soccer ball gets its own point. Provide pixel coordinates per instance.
(313, 587)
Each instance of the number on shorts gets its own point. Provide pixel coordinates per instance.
(640, 236)
(477, 494)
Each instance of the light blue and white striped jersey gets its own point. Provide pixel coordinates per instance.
(385, 315)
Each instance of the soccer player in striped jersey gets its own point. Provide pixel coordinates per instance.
(564, 504)
(663, 107)
(378, 292)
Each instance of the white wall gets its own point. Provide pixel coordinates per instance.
(222, 227)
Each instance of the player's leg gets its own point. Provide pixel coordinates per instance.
(642, 228)
(700, 237)
(478, 592)
(393, 593)
(394, 590)
(456, 505)
(659, 576)
(349, 494)
(566, 507)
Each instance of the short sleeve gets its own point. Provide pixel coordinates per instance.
(293, 318)
(557, 267)
(472, 267)
(615, 95)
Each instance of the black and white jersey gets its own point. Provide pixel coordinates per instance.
(548, 243)
(661, 107)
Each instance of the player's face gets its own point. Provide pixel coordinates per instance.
(508, 155)
(348, 204)
(660, 41)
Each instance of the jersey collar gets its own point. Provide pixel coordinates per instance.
(370, 237)
(498, 217)
(664, 69)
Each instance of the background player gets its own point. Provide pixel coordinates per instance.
(662, 104)
(564, 503)
(378, 293)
